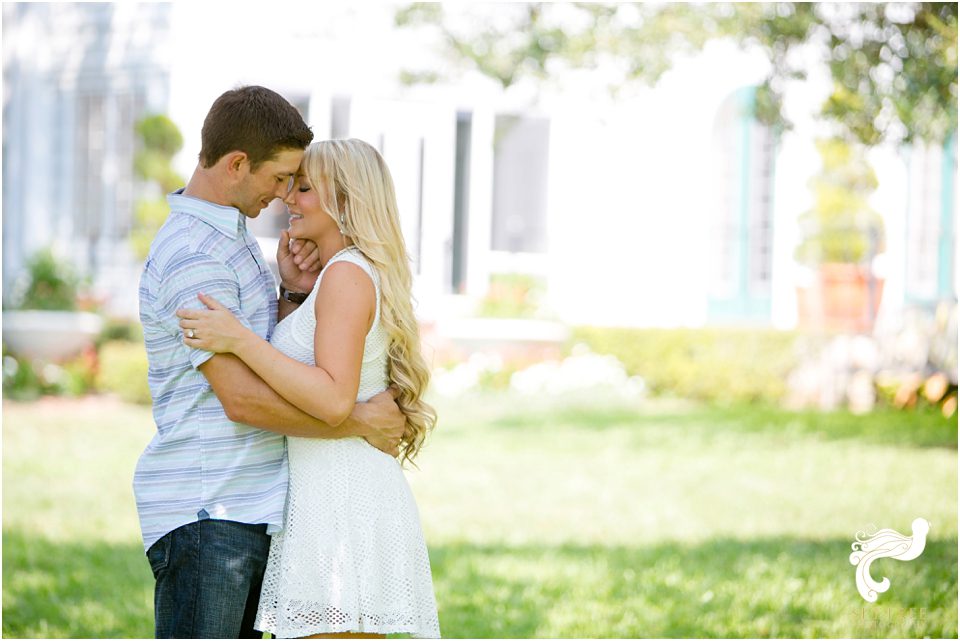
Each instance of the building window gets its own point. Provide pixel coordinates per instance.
(461, 202)
(129, 107)
(89, 159)
(931, 223)
(741, 246)
(340, 117)
(520, 170)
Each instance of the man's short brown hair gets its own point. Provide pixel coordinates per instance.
(254, 120)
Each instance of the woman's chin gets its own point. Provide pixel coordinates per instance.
(294, 230)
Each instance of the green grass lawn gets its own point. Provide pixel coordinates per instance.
(549, 520)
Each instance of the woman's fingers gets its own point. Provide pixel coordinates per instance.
(211, 302)
(312, 261)
(295, 248)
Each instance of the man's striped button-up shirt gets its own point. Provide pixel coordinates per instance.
(199, 463)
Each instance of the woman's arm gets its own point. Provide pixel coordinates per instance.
(345, 307)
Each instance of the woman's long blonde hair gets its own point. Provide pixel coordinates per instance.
(362, 201)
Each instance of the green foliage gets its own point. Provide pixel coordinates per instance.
(497, 380)
(160, 141)
(120, 329)
(20, 380)
(123, 371)
(150, 215)
(25, 379)
(841, 227)
(160, 135)
(894, 66)
(512, 296)
(155, 166)
(51, 284)
(713, 365)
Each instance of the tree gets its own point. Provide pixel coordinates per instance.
(841, 227)
(160, 140)
(894, 66)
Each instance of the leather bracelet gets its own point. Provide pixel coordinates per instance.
(296, 298)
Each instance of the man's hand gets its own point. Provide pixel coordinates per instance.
(385, 420)
(299, 263)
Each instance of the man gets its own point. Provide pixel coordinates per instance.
(209, 487)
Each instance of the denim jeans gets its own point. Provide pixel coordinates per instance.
(209, 575)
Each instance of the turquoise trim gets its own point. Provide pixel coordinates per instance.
(739, 309)
(946, 249)
(743, 304)
(945, 243)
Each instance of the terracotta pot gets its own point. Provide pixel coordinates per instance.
(840, 299)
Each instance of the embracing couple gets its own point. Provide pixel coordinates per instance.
(271, 497)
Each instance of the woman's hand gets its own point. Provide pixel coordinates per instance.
(214, 329)
(299, 263)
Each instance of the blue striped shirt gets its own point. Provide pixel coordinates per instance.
(200, 464)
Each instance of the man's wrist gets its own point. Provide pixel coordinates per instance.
(292, 296)
(357, 423)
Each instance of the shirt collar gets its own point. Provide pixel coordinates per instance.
(228, 220)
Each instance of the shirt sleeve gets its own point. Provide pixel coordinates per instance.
(183, 278)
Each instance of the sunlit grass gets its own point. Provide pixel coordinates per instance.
(549, 519)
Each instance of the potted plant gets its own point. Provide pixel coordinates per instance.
(840, 237)
(44, 322)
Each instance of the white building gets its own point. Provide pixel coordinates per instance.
(672, 207)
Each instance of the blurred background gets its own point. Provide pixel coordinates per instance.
(686, 274)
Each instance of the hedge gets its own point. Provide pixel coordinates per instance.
(714, 365)
(123, 371)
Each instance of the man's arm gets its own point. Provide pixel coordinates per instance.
(247, 399)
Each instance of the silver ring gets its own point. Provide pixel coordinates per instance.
(190, 333)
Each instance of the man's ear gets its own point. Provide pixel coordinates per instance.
(236, 163)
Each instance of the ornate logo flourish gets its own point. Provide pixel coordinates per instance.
(885, 543)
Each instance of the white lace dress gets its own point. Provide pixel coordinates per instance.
(351, 556)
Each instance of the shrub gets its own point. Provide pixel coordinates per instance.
(49, 284)
(25, 379)
(712, 365)
(123, 371)
(20, 380)
(117, 329)
(841, 227)
(512, 296)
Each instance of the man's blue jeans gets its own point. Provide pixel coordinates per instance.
(208, 576)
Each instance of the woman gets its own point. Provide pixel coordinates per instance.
(351, 558)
